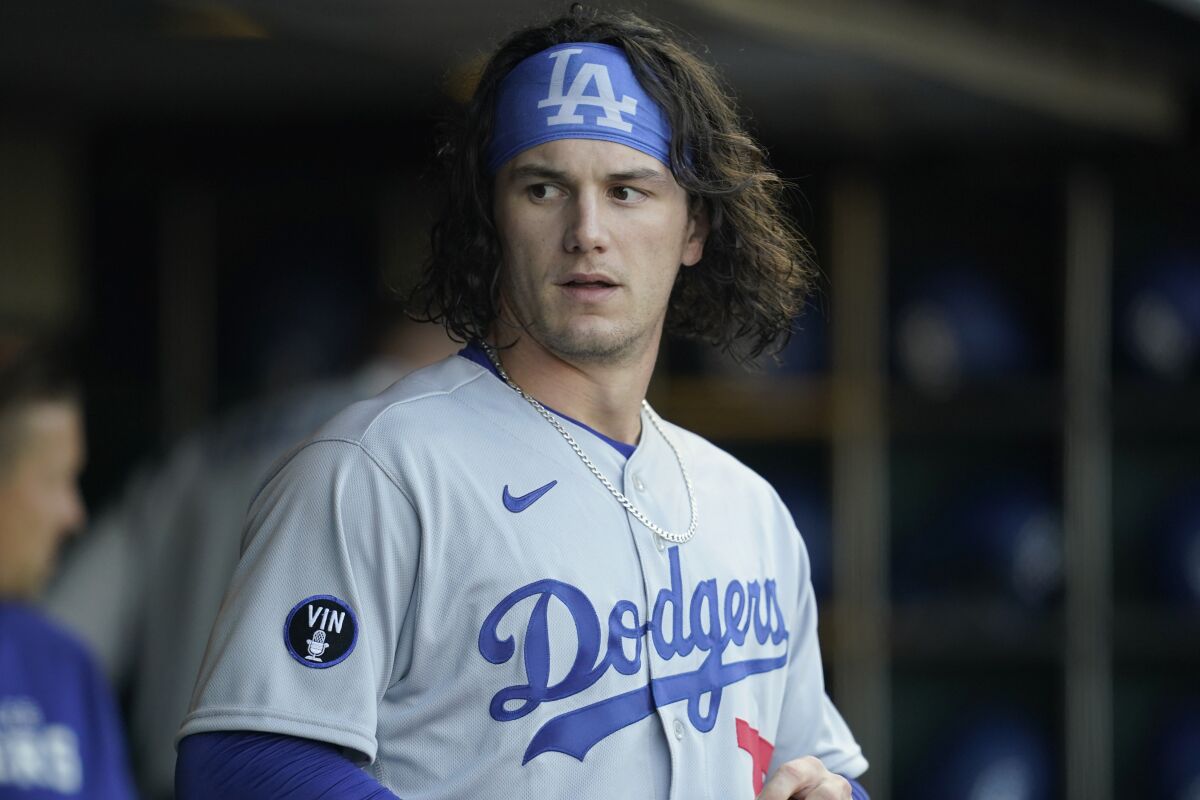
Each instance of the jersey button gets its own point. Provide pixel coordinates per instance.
(659, 543)
(678, 726)
(637, 484)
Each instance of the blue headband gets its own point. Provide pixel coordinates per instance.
(577, 90)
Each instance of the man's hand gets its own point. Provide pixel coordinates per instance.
(805, 779)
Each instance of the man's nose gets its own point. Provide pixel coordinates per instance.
(587, 229)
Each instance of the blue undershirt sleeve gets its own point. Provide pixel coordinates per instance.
(240, 765)
(857, 792)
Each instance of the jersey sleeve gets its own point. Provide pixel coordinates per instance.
(306, 640)
(263, 766)
(810, 724)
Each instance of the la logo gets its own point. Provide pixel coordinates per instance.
(569, 103)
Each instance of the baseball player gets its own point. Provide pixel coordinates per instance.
(60, 736)
(506, 574)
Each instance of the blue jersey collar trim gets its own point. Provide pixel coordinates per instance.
(473, 352)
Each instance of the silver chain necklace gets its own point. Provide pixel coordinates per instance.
(677, 538)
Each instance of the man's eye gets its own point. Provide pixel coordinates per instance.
(543, 191)
(627, 194)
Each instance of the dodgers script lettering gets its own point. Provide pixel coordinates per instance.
(679, 624)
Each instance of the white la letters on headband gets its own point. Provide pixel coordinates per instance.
(532, 106)
(570, 102)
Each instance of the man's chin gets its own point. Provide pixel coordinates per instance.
(592, 344)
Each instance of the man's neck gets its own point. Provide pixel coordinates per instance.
(607, 398)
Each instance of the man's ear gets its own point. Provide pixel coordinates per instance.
(697, 233)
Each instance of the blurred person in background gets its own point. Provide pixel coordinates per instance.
(60, 734)
(144, 586)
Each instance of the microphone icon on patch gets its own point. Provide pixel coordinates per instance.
(316, 646)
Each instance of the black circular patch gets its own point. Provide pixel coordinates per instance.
(320, 631)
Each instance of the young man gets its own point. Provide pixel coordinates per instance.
(59, 732)
(506, 574)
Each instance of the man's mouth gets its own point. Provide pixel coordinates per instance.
(601, 284)
(589, 288)
(589, 280)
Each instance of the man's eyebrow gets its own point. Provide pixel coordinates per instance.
(642, 174)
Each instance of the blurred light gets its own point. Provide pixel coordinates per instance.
(1032, 69)
(957, 326)
(1162, 316)
(1005, 779)
(463, 77)
(1160, 337)
(1038, 559)
(212, 21)
(929, 349)
(999, 539)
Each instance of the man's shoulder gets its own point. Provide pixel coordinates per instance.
(440, 391)
(453, 406)
(715, 460)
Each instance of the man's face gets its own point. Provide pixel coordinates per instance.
(39, 495)
(592, 234)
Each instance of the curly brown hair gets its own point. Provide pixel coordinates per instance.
(757, 268)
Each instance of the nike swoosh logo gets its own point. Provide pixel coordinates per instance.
(518, 504)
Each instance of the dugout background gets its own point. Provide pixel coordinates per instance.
(1005, 202)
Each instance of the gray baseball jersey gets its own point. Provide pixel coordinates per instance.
(437, 582)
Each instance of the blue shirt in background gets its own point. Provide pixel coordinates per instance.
(59, 732)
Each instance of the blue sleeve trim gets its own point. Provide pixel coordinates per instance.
(239, 765)
(857, 792)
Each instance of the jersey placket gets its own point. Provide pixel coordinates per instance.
(654, 483)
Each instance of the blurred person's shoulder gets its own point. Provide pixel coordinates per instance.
(40, 641)
(56, 700)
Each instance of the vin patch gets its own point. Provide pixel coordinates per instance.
(320, 631)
